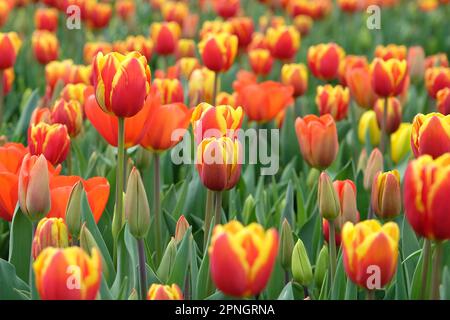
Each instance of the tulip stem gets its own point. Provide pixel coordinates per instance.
(332, 245)
(69, 162)
(436, 274)
(218, 210)
(1, 98)
(156, 191)
(425, 265)
(119, 214)
(208, 215)
(215, 88)
(371, 295)
(142, 269)
(383, 143)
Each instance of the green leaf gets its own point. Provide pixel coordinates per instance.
(11, 286)
(182, 260)
(204, 286)
(340, 281)
(24, 120)
(288, 211)
(121, 287)
(286, 293)
(20, 244)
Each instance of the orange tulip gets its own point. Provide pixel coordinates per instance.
(11, 156)
(248, 253)
(169, 90)
(333, 100)
(324, 60)
(317, 137)
(437, 78)
(443, 101)
(163, 123)
(165, 37)
(114, 91)
(430, 134)
(45, 46)
(218, 51)
(219, 163)
(97, 190)
(46, 19)
(243, 28)
(51, 140)
(262, 102)
(261, 61)
(391, 51)
(226, 8)
(10, 44)
(394, 113)
(7, 79)
(108, 125)
(348, 63)
(68, 113)
(50, 232)
(388, 77)
(98, 14)
(366, 245)
(295, 75)
(283, 41)
(220, 121)
(68, 274)
(162, 292)
(425, 192)
(359, 82)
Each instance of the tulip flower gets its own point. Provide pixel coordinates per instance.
(165, 37)
(185, 49)
(164, 292)
(333, 100)
(261, 61)
(220, 121)
(51, 140)
(97, 191)
(243, 29)
(91, 49)
(346, 192)
(416, 62)
(286, 246)
(231, 246)
(388, 77)
(140, 44)
(215, 27)
(400, 142)
(386, 195)
(7, 80)
(68, 274)
(227, 99)
(303, 24)
(295, 75)
(50, 232)
(11, 156)
(368, 127)
(98, 14)
(349, 6)
(436, 60)
(75, 92)
(34, 190)
(259, 41)
(46, 19)
(359, 82)
(169, 90)
(369, 244)
(10, 44)
(125, 9)
(324, 60)
(373, 166)
(391, 51)
(201, 86)
(443, 101)
(262, 102)
(437, 78)
(226, 8)
(186, 66)
(284, 42)
(180, 229)
(174, 12)
(219, 163)
(394, 113)
(218, 51)
(114, 92)
(349, 63)
(45, 46)
(317, 137)
(68, 113)
(301, 267)
(4, 12)
(430, 134)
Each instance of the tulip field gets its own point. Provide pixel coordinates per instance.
(224, 149)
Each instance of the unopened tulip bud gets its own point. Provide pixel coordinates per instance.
(249, 208)
(34, 190)
(374, 165)
(88, 243)
(181, 228)
(329, 206)
(322, 264)
(50, 232)
(166, 265)
(301, 267)
(312, 178)
(137, 210)
(394, 114)
(73, 210)
(386, 194)
(286, 245)
(362, 161)
(368, 128)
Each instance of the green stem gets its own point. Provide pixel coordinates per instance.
(119, 214)
(383, 126)
(208, 215)
(156, 194)
(437, 266)
(69, 162)
(33, 231)
(218, 210)
(1, 98)
(425, 265)
(142, 270)
(371, 295)
(215, 88)
(332, 245)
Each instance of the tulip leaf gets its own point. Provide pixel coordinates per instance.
(171, 223)
(289, 147)
(20, 244)
(125, 276)
(177, 211)
(416, 289)
(340, 281)
(204, 286)
(105, 293)
(409, 244)
(351, 291)
(286, 293)
(445, 287)
(182, 260)
(12, 287)
(362, 196)
(288, 211)
(401, 287)
(25, 116)
(276, 281)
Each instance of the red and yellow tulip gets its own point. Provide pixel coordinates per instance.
(437, 78)
(386, 198)
(261, 61)
(164, 292)
(165, 37)
(226, 8)
(333, 100)
(388, 77)
(169, 90)
(10, 44)
(295, 75)
(46, 19)
(69, 113)
(443, 101)
(391, 51)
(51, 140)
(50, 232)
(284, 42)
(218, 51)
(394, 113)
(359, 82)
(324, 60)
(430, 134)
